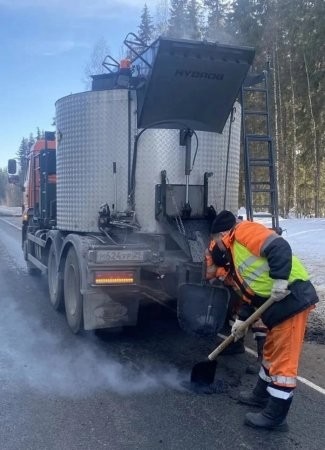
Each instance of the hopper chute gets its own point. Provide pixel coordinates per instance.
(189, 82)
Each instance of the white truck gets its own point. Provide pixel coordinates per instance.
(120, 200)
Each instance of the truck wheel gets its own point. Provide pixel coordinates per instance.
(54, 282)
(31, 269)
(72, 297)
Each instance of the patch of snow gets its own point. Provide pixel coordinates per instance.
(307, 239)
(10, 210)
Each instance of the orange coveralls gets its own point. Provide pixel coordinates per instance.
(283, 341)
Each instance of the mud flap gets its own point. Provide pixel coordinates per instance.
(104, 311)
(202, 309)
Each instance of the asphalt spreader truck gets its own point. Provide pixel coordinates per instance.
(120, 199)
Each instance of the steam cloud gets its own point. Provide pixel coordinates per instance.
(31, 355)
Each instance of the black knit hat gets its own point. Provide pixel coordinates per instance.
(224, 221)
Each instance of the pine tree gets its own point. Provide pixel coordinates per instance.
(95, 65)
(247, 21)
(146, 27)
(31, 140)
(3, 186)
(215, 19)
(161, 18)
(178, 23)
(193, 20)
(22, 155)
(293, 31)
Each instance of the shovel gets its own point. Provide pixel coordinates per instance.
(203, 372)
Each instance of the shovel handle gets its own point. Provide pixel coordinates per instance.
(256, 315)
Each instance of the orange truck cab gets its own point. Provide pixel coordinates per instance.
(39, 200)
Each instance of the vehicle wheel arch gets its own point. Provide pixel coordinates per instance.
(78, 243)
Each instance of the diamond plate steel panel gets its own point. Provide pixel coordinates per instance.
(93, 127)
(94, 133)
(159, 150)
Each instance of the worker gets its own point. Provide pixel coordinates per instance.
(218, 268)
(262, 264)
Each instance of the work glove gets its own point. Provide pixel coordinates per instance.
(236, 330)
(280, 290)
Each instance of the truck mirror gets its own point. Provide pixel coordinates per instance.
(12, 167)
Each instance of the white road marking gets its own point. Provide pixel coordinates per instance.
(248, 350)
(311, 384)
(301, 379)
(9, 223)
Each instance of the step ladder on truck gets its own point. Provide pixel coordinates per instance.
(258, 150)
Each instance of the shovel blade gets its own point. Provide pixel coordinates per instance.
(202, 309)
(203, 372)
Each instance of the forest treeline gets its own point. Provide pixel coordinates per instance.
(289, 38)
(11, 194)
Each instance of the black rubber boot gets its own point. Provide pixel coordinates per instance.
(235, 348)
(257, 397)
(254, 368)
(273, 417)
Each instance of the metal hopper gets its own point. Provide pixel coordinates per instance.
(190, 84)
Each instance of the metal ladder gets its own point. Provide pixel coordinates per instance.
(259, 160)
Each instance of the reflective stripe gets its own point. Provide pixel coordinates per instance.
(247, 263)
(287, 381)
(254, 270)
(278, 393)
(263, 375)
(253, 276)
(259, 334)
(268, 241)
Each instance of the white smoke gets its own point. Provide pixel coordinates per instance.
(30, 355)
(35, 354)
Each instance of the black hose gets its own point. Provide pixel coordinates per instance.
(135, 153)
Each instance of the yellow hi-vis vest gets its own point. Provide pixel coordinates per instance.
(254, 270)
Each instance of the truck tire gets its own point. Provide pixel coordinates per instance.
(31, 269)
(73, 300)
(55, 283)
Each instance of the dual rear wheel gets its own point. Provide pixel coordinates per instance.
(72, 297)
(65, 293)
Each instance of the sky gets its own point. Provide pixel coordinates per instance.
(45, 47)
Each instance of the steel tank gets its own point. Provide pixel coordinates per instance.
(160, 150)
(96, 130)
(92, 134)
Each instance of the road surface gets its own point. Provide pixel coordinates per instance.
(124, 391)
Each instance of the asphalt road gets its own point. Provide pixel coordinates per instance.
(121, 391)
